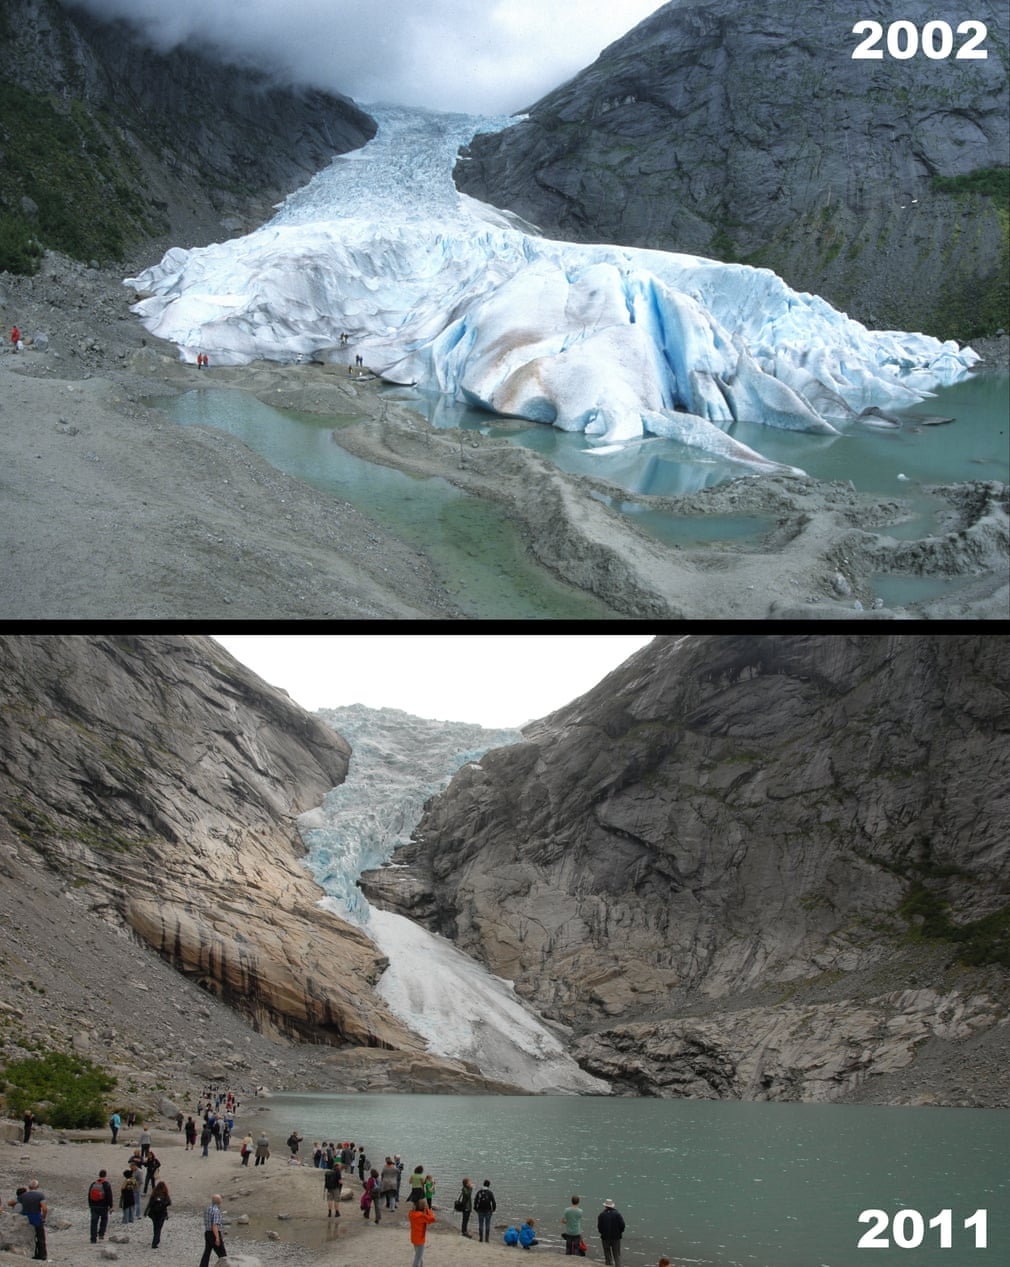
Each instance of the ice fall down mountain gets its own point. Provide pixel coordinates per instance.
(437, 290)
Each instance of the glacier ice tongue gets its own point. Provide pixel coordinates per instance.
(435, 290)
(460, 1009)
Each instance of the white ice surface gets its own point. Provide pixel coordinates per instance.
(459, 1008)
(438, 290)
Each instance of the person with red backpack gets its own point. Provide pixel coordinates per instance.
(99, 1203)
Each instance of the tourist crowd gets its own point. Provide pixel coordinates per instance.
(382, 1189)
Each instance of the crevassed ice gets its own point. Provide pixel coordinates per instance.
(441, 291)
(461, 1010)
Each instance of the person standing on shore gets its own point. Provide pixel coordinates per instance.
(388, 1179)
(246, 1148)
(610, 1225)
(99, 1205)
(190, 1134)
(145, 1143)
(212, 1234)
(332, 1184)
(114, 1124)
(416, 1192)
(262, 1150)
(157, 1210)
(572, 1219)
(372, 1192)
(29, 1123)
(464, 1204)
(127, 1198)
(484, 1206)
(420, 1216)
(34, 1208)
(138, 1190)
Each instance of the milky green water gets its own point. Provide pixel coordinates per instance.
(474, 548)
(718, 1184)
(480, 557)
(975, 446)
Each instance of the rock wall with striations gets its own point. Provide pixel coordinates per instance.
(161, 778)
(749, 133)
(730, 824)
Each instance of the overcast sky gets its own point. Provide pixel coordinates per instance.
(478, 56)
(493, 680)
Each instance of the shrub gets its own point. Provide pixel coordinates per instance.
(69, 1089)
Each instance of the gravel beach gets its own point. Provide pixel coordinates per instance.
(275, 1215)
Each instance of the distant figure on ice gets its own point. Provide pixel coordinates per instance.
(343, 340)
(202, 360)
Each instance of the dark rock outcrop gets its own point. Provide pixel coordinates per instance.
(749, 133)
(737, 822)
(115, 140)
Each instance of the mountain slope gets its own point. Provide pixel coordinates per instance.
(107, 141)
(149, 790)
(736, 822)
(162, 775)
(749, 133)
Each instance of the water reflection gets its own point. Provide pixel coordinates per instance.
(889, 462)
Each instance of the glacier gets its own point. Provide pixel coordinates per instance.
(462, 1011)
(455, 297)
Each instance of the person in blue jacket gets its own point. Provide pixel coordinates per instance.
(528, 1235)
(511, 1236)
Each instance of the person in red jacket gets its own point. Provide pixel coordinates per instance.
(15, 339)
(420, 1216)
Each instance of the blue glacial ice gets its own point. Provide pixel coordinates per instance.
(460, 1009)
(457, 297)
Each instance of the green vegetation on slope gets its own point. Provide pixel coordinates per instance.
(63, 1090)
(970, 313)
(66, 184)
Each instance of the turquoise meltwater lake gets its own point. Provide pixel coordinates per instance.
(707, 1183)
(480, 556)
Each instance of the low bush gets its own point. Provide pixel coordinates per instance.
(62, 1090)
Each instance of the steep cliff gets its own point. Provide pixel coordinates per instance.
(730, 823)
(162, 778)
(106, 141)
(749, 133)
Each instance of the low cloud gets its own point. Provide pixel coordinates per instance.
(471, 55)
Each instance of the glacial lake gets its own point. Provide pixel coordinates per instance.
(707, 1183)
(479, 554)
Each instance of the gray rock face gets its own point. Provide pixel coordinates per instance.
(161, 777)
(185, 140)
(748, 132)
(731, 822)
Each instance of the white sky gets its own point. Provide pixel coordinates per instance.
(493, 680)
(476, 56)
